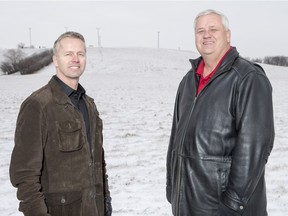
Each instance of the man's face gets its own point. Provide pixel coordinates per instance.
(211, 38)
(70, 59)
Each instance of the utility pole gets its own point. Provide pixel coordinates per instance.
(99, 37)
(158, 44)
(30, 37)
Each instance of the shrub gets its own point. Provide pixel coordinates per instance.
(28, 65)
(35, 62)
(7, 68)
(13, 57)
(273, 60)
(276, 60)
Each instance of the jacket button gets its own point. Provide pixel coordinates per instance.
(63, 200)
(241, 207)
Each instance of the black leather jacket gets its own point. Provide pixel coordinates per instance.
(220, 142)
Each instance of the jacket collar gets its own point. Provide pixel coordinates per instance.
(226, 63)
(57, 93)
(67, 89)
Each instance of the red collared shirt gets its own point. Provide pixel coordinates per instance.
(204, 80)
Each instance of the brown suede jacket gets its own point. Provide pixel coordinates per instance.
(52, 165)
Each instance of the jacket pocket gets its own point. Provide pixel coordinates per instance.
(64, 203)
(201, 185)
(70, 135)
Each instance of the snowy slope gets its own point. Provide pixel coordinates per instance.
(134, 89)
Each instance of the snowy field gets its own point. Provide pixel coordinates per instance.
(134, 90)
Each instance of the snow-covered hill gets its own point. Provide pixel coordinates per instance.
(134, 89)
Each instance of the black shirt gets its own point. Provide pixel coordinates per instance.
(76, 97)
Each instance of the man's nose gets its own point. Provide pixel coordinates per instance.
(207, 33)
(75, 58)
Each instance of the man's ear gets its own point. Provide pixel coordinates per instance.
(228, 35)
(55, 60)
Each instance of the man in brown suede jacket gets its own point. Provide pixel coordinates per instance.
(58, 160)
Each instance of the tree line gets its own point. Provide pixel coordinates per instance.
(273, 60)
(17, 61)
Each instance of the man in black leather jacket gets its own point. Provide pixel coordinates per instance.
(222, 131)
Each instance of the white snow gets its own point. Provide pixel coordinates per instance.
(134, 89)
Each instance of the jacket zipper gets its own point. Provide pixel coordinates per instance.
(178, 184)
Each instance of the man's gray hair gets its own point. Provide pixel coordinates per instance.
(224, 19)
(69, 34)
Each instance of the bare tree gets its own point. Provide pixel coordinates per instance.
(21, 45)
(14, 55)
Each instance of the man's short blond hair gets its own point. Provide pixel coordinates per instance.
(69, 34)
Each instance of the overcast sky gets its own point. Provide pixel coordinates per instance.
(259, 28)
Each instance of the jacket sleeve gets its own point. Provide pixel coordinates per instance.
(105, 177)
(101, 155)
(170, 148)
(26, 159)
(255, 128)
